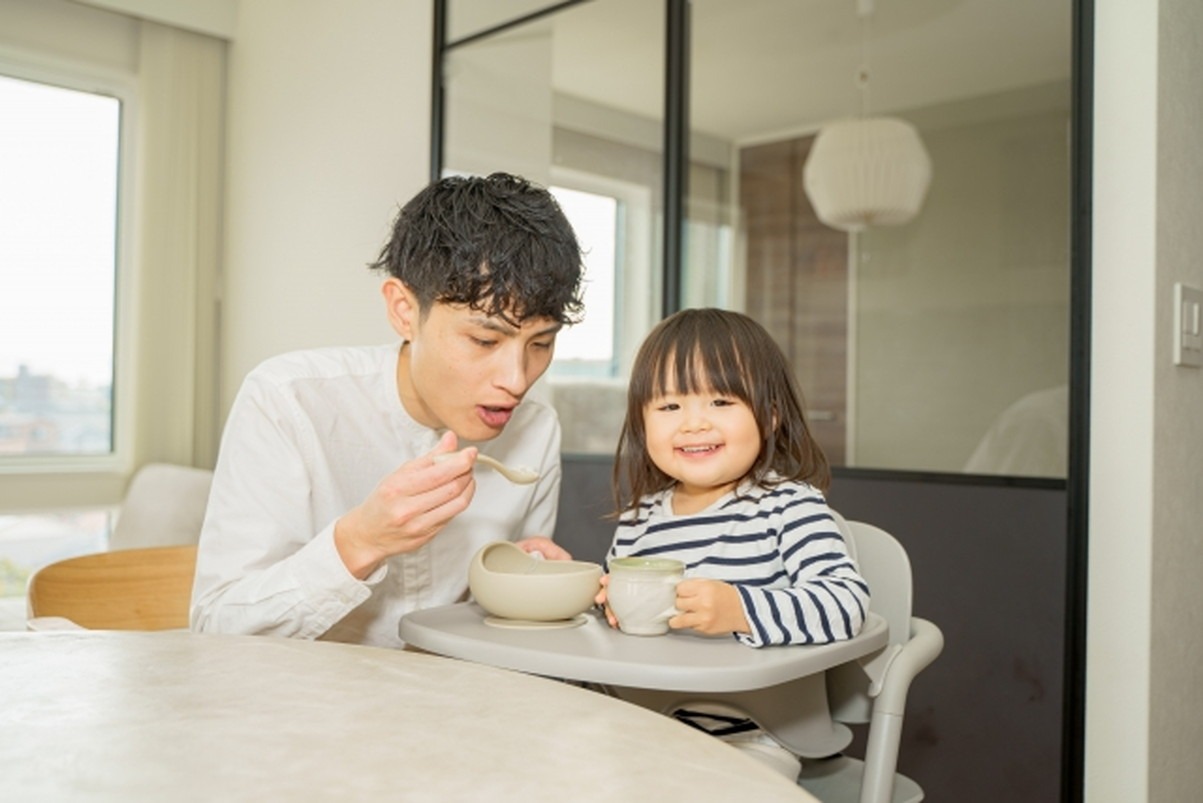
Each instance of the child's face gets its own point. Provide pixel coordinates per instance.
(705, 441)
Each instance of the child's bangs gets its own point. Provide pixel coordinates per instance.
(713, 366)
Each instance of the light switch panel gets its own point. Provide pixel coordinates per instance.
(1188, 337)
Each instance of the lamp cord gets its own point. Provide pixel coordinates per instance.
(865, 11)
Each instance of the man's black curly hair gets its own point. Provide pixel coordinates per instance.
(499, 245)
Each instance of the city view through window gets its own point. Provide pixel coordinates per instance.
(58, 225)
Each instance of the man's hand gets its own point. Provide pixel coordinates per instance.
(543, 546)
(406, 509)
(711, 607)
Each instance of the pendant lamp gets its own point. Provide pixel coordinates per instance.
(866, 171)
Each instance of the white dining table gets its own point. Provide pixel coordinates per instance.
(783, 688)
(172, 715)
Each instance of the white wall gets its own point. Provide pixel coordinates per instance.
(329, 115)
(1176, 626)
(1121, 466)
(212, 17)
(1144, 640)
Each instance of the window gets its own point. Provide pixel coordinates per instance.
(613, 221)
(59, 229)
(588, 348)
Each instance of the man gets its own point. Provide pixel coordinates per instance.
(329, 516)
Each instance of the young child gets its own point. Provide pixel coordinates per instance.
(716, 467)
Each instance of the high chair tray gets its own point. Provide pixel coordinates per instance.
(596, 653)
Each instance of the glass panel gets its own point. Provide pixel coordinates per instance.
(707, 278)
(58, 224)
(939, 344)
(470, 17)
(588, 348)
(573, 101)
(963, 326)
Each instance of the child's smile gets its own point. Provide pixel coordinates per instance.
(705, 441)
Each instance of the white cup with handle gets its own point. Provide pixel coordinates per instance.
(642, 593)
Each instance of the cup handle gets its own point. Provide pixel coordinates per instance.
(671, 611)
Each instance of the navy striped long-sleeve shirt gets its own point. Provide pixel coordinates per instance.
(779, 547)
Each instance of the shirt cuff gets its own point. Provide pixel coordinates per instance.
(320, 567)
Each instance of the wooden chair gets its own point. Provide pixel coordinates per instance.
(126, 589)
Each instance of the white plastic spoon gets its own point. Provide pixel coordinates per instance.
(520, 474)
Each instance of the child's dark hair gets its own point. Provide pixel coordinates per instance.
(499, 245)
(728, 353)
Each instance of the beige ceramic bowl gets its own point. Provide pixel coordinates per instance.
(511, 584)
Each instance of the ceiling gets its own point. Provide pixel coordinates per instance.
(763, 67)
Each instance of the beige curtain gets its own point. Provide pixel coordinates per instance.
(181, 119)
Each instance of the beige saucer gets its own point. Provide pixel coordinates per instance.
(528, 624)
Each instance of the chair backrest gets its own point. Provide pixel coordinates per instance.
(163, 506)
(127, 589)
(886, 568)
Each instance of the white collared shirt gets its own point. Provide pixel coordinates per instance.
(309, 437)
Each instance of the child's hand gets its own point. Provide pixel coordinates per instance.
(711, 607)
(600, 599)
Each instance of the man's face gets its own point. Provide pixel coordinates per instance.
(463, 370)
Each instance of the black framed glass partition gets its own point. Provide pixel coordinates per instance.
(940, 345)
(948, 348)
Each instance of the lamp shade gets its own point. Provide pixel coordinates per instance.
(867, 171)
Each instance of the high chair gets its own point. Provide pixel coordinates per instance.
(870, 690)
(874, 690)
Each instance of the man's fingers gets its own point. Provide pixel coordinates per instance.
(426, 475)
(446, 444)
(433, 509)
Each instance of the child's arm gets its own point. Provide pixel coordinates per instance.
(827, 599)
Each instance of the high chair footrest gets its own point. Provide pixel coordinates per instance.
(838, 780)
